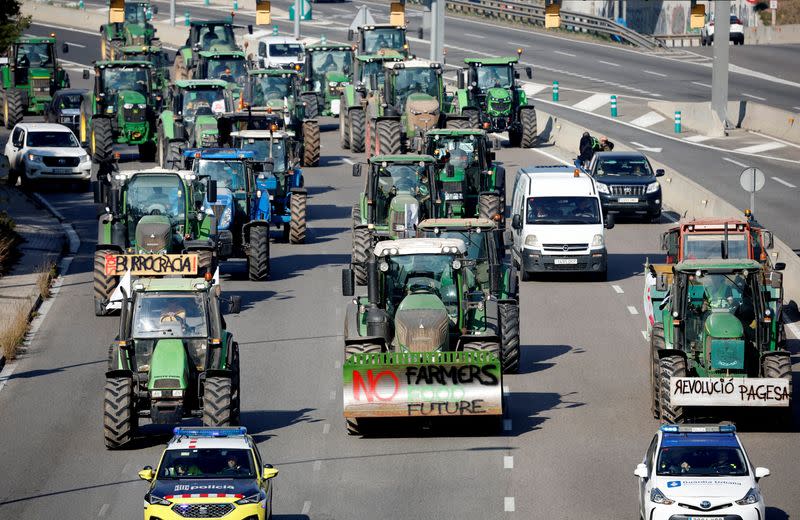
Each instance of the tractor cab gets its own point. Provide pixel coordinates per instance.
(211, 35)
(270, 88)
(374, 39)
(129, 23)
(414, 88)
(228, 66)
(327, 72)
(370, 65)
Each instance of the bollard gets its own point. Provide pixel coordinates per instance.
(677, 121)
(81, 5)
(613, 106)
(206, 2)
(186, 19)
(235, 5)
(555, 91)
(274, 30)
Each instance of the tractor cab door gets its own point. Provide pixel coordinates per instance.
(22, 65)
(670, 243)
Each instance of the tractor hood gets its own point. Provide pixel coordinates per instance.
(421, 323)
(336, 76)
(223, 208)
(130, 96)
(498, 101)
(403, 215)
(423, 112)
(221, 47)
(723, 324)
(153, 233)
(39, 72)
(231, 487)
(206, 131)
(169, 366)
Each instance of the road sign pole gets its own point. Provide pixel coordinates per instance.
(297, 14)
(172, 12)
(437, 30)
(719, 70)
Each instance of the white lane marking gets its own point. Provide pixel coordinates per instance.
(337, 364)
(532, 89)
(332, 395)
(340, 10)
(348, 161)
(648, 119)
(564, 53)
(103, 510)
(517, 44)
(76, 45)
(644, 335)
(754, 97)
(609, 63)
(701, 84)
(697, 138)
(593, 102)
(317, 465)
(326, 429)
(655, 73)
(618, 289)
(306, 507)
(551, 156)
(478, 36)
(632, 309)
(763, 147)
(787, 184)
(508, 504)
(508, 462)
(737, 163)
(640, 146)
(507, 426)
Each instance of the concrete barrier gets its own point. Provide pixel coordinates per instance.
(680, 194)
(765, 34)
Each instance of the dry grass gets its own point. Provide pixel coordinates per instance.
(45, 279)
(8, 242)
(788, 12)
(13, 327)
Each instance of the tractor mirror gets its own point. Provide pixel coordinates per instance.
(769, 240)
(350, 35)
(529, 72)
(357, 170)
(348, 282)
(610, 221)
(249, 28)
(516, 74)
(373, 82)
(664, 246)
(516, 222)
(211, 191)
(779, 266)
(513, 283)
(262, 49)
(460, 79)
(85, 74)
(113, 200)
(660, 172)
(154, 9)
(492, 156)
(268, 166)
(179, 132)
(65, 48)
(147, 474)
(234, 304)
(507, 236)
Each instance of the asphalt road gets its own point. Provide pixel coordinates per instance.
(579, 408)
(769, 59)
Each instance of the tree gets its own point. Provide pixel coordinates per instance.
(12, 23)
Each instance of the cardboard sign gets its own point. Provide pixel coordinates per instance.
(151, 265)
(729, 391)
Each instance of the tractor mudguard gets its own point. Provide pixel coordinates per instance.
(387, 118)
(109, 247)
(349, 98)
(353, 328)
(246, 229)
(167, 120)
(492, 316)
(298, 190)
(218, 372)
(471, 338)
(463, 99)
(119, 373)
(198, 245)
(671, 352)
(523, 98)
(775, 353)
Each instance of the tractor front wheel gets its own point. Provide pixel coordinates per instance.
(779, 366)
(509, 337)
(13, 107)
(344, 130)
(388, 136)
(310, 143)
(472, 115)
(356, 129)
(489, 206)
(527, 118)
(297, 224)
(258, 253)
(119, 417)
(361, 245)
(669, 367)
(311, 106)
(459, 124)
(217, 401)
(102, 140)
(104, 284)
(657, 344)
(483, 346)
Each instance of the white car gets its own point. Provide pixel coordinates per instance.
(698, 471)
(46, 151)
(736, 33)
(275, 52)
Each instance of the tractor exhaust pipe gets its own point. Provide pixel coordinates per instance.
(377, 318)
(123, 319)
(372, 281)
(725, 242)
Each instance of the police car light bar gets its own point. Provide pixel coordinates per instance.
(210, 432)
(698, 428)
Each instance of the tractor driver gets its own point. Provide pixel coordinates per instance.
(329, 64)
(158, 203)
(209, 37)
(488, 77)
(381, 43)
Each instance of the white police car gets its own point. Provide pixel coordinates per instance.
(698, 472)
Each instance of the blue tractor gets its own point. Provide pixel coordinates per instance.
(277, 165)
(241, 204)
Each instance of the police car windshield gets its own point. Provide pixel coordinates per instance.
(207, 463)
(160, 316)
(563, 210)
(701, 461)
(228, 174)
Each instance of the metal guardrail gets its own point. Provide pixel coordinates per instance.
(528, 14)
(678, 40)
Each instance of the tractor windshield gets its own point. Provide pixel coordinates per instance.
(35, 55)
(136, 13)
(476, 242)
(701, 461)
(169, 315)
(228, 174)
(394, 179)
(712, 245)
(206, 463)
(434, 272)
(155, 195)
(285, 50)
(372, 68)
(205, 101)
(125, 78)
(563, 210)
(210, 36)
(495, 76)
(261, 148)
(323, 62)
(462, 151)
(231, 69)
(384, 38)
(270, 88)
(422, 80)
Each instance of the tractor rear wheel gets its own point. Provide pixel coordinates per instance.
(104, 285)
(657, 343)
(388, 137)
(147, 151)
(258, 253)
(119, 417)
(297, 224)
(669, 367)
(779, 366)
(344, 130)
(310, 102)
(217, 401)
(13, 107)
(489, 206)
(483, 346)
(172, 155)
(509, 337)
(236, 411)
(458, 124)
(102, 140)
(472, 114)
(527, 118)
(310, 143)
(361, 244)
(356, 128)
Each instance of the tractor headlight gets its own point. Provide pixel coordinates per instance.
(127, 106)
(152, 499)
(653, 187)
(603, 188)
(657, 497)
(598, 241)
(142, 106)
(532, 241)
(752, 497)
(225, 221)
(110, 109)
(333, 84)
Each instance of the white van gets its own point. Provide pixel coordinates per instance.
(274, 52)
(557, 222)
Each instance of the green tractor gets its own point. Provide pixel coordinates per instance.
(228, 66)
(158, 58)
(399, 192)
(204, 35)
(128, 24)
(122, 109)
(490, 96)
(425, 341)
(327, 72)
(271, 97)
(172, 359)
(497, 280)
(372, 39)
(195, 115)
(471, 183)
(352, 125)
(153, 225)
(411, 102)
(30, 76)
(712, 341)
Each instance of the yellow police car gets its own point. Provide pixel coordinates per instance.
(209, 473)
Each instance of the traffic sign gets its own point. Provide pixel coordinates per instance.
(752, 180)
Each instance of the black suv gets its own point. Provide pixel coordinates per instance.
(627, 184)
(65, 108)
